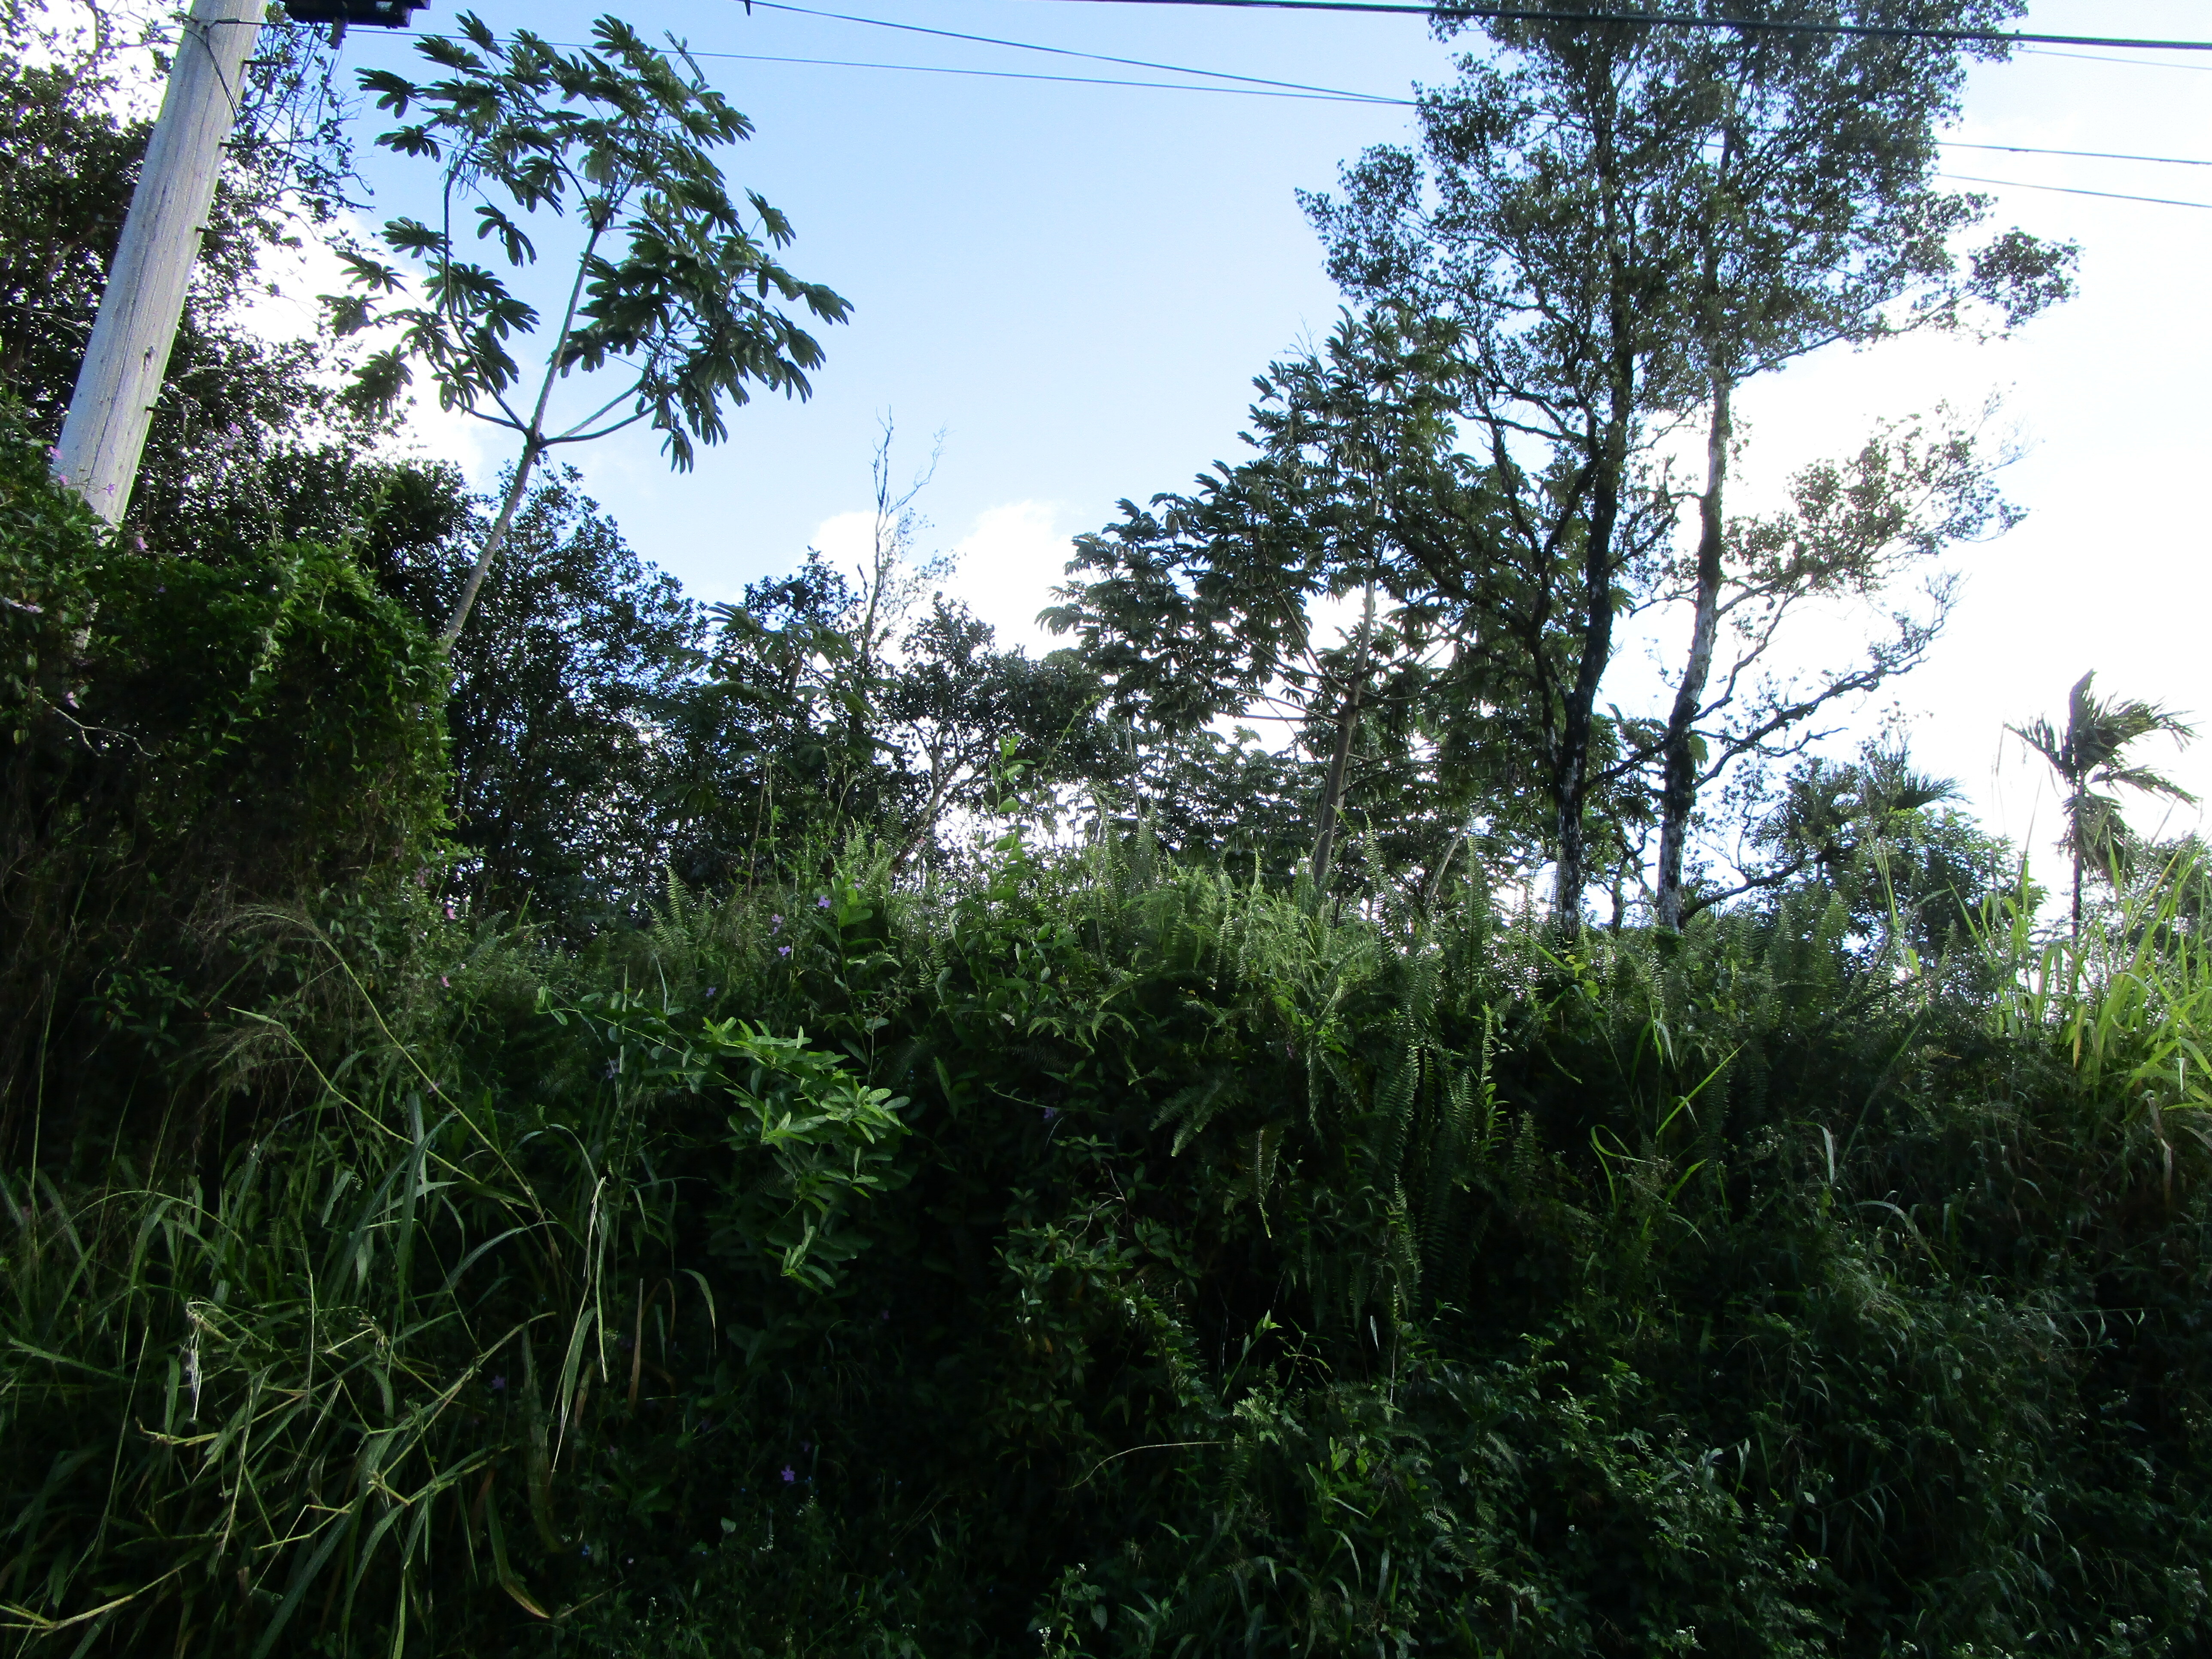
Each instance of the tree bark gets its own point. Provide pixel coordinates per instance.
(2074, 933)
(1571, 781)
(1348, 720)
(507, 509)
(1677, 792)
(1608, 459)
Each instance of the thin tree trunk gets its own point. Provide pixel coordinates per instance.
(534, 446)
(493, 542)
(1331, 800)
(1678, 793)
(1608, 458)
(2077, 872)
(1434, 884)
(1571, 781)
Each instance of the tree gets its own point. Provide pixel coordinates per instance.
(673, 285)
(1202, 606)
(557, 748)
(1852, 529)
(2090, 759)
(832, 700)
(1815, 221)
(1628, 220)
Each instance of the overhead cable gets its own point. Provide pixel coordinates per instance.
(1065, 52)
(2071, 189)
(1691, 20)
(2099, 57)
(1063, 80)
(2086, 155)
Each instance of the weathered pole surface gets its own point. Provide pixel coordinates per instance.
(139, 309)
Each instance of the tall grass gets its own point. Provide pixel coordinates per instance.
(310, 1404)
(1233, 1278)
(280, 1400)
(2129, 993)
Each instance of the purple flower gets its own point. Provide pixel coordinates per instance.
(449, 912)
(1050, 1113)
(444, 982)
(499, 1383)
(776, 924)
(783, 949)
(788, 1477)
(54, 452)
(822, 903)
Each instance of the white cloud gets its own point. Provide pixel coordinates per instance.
(848, 540)
(1004, 568)
(1009, 564)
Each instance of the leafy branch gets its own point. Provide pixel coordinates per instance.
(675, 289)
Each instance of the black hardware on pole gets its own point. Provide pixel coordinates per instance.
(369, 14)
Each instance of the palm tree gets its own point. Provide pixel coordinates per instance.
(2089, 759)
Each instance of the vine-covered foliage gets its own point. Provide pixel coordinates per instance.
(182, 738)
(1126, 1260)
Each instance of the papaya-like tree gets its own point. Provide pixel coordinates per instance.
(674, 291)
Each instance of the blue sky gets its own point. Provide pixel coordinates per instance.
(1076, 283)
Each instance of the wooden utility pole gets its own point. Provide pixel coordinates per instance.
(139, 308)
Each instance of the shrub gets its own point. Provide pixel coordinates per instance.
(185, 739)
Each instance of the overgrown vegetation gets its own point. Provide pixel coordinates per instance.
(790, 1129)
(1115, 1255)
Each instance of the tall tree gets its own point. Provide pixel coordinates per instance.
(834, 700)
(1814, 219)
(1531, 219)
(672, 285)
(1630, 220)
(1851, 531)
(1204, 606)
(2090, 757)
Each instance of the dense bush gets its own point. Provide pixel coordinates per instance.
(1230, 1279)
(184, 741)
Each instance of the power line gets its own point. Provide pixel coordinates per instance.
(1302, 91)
(2070, 190)
(1691, 20)
(1338, 92)
(1408, 103)
(2087, 154)
(1062, 80)
(1069, 52)
(1302, 86)
(2132, 62)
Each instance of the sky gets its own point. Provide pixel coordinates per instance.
(1067, 289)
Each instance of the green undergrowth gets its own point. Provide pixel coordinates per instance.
(1094, 1256)
(181, 743)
